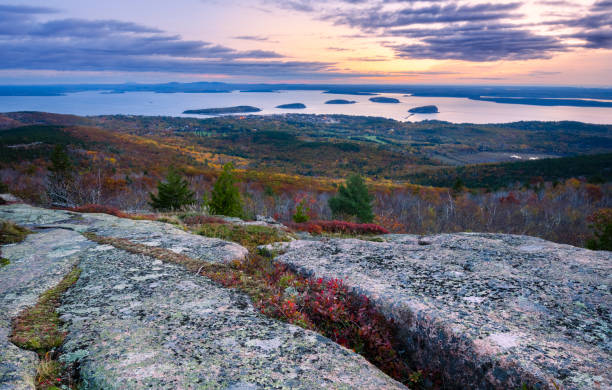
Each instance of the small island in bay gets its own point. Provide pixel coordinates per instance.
(424, 110)
(223, 110)
(340, 101)
(382, 99)
(292, 106)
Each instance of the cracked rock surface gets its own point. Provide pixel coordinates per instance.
(487, 310)
(135, 322)
(37, 264)
(149, 233)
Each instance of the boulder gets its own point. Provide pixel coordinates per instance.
(487, 311)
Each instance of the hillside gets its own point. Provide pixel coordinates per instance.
(283, 160)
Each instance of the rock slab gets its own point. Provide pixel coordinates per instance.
(488, 311)
(135, 322)
(37, 264)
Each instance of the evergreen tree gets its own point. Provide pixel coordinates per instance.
(173, 193)
(225, 197)
(353, 199)
(60, 183)
(301, 212)
(457, 187)
(60, 162)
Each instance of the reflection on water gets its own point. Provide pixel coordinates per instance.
(458, 110)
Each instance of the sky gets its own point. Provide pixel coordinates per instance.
(481, 42)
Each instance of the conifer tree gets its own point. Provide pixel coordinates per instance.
(60, 183)
(173, 193)
(353, 199)
(60, 162)
(225, 197)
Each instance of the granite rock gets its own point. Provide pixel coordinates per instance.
(489, 311)
(37, 264)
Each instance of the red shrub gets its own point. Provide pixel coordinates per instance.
(202, 220)
(98, 208)
(317, 227)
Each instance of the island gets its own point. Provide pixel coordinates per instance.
(340, 101)
(382, 99)
(292, 106)
(223, 110)
(424, 110)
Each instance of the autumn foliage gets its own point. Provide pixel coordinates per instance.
(342, 227)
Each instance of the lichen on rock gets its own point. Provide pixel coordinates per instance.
(486, 310)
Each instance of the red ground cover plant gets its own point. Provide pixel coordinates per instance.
(326, 306)
(195, 220)
(318, 227)
(98, 208)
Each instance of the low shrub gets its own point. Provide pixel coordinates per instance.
(601, 223)
(102, 209)
(326, 306)
(342, 227)
(195, 220)
(39, 329)
(11, 233)
(249, 236)
(98, 208)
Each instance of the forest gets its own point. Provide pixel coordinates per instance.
(284, 161)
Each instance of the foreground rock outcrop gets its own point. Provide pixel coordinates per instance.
(37, 264)
(135, 322)
(486, 310)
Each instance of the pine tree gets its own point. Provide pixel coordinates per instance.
(225, 197)
(353, 199)
(60, 183)
(60, 162)
(173, 193)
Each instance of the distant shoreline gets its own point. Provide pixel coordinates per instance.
(224, 110)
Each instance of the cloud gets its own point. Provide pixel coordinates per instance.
(594, 28)
(378, 17)
(252, 38)
(112, 45)
(478, 42)
(475, 31)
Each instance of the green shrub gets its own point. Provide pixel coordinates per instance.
(301, 213)
(247, 236)
(225, 197)
(172, 194)
(601, 223)
(353, 199)
(11, 233)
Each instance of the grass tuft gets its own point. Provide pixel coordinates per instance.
(11, 233)
(38, 329)
(249, 236)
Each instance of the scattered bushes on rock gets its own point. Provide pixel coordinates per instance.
(341, 227)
